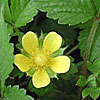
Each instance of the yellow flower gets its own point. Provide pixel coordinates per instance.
(40, 58)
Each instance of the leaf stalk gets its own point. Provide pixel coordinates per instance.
(88, 49)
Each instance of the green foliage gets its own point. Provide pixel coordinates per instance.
(16, 73)
(31, 71)
(85, 92)
(41, 38)
(92, 81)
(16, 18)
(81, 81)
(14, 93)
(92, 92)
(42, 23)
(95, 67)
(93, 89)
(57, 95)
(10, 29)
(86, 25)
(6, 50)
(51, 73)
(22, 12)
(7, 14)
(58, 52)
(97, 3)
(95, 46)
(72, 12)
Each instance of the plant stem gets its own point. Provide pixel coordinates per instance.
(73, 49)
(88, 49)
(89, 45)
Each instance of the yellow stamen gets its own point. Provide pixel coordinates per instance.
(40, 60)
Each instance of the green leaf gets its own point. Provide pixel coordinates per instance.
(14, 93)
(86, 25)
(22, 12)
(94, 54)
(97, 4)
(41, 38)
(85, 92)
(24, 52)
(99, 10)
(51, 73)
(31, 72)
(16, 73)
(83, 41)
(93, 92)
(58, 52)
(81, 81)
(92, 81)
(72, 12)
(73, 69)
(7, 14)
(95, 67)
(10, 29)
(6, 50)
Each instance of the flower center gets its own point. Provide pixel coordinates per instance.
(40, 60)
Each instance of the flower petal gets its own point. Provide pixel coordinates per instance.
(61, 64)
(22, 62)
(52, 42)
(30, 42)
(40, 79)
